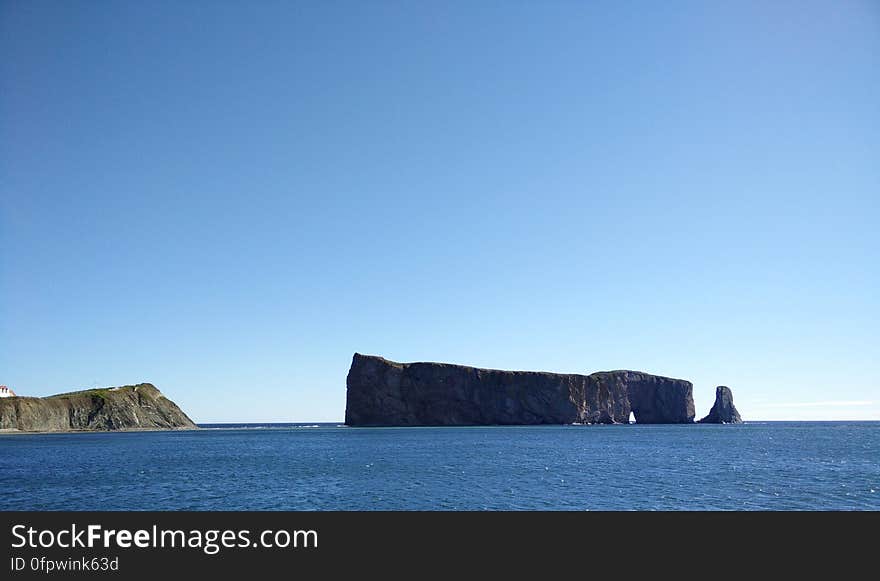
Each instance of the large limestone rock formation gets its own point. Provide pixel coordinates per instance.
(385, 393)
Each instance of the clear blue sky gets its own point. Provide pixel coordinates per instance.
(230, 199)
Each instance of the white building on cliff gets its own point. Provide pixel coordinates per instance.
(6, 392)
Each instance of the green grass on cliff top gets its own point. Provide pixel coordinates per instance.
(98, 391)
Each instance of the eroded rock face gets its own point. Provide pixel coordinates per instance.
(139, 406)
(723, 411)
(386, 393)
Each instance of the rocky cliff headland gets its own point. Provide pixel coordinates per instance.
(130, 407)
(386, 393)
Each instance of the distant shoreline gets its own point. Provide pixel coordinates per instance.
(244, 426)
(13, 431)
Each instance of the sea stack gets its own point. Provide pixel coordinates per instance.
(723, 411)
(385, 393)
(130, 407)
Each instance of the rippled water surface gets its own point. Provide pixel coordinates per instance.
(757, 466)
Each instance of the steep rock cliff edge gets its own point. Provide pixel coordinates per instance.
(386, 393)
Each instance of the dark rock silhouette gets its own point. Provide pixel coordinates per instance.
(386, 393)
(723, 411)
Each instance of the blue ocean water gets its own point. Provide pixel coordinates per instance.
(755, 466)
